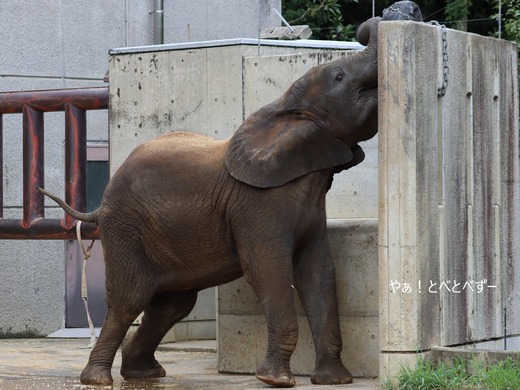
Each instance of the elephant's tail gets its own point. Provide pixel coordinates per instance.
(85, 217)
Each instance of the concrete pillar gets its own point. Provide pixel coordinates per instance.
(448, 187)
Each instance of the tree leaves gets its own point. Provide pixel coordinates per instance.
(458, 11)
(324, 17)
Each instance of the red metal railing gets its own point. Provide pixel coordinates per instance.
(32, 105)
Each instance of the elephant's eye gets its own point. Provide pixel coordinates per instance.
(339, 77)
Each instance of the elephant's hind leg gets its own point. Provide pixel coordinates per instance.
(97, 371)
(129, 291)
(165, 309)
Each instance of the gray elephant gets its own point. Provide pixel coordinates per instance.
(186, 212)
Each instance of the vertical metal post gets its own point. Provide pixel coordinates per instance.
(505, 329)
(33, 168)
(158, 23)
(499, 19)
(75, 160)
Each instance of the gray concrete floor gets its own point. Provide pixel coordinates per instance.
(34, 364)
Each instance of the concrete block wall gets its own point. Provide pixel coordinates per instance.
(185, 89)
(64, 44)
(449, 192)
(242, 331)
(211, 90)
(50, 45)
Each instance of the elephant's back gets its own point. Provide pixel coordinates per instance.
(178, 164)
(177, 153)
(178, 145)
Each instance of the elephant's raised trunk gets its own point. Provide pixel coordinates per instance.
(367, 35)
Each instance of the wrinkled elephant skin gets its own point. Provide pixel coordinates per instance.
(186, 212)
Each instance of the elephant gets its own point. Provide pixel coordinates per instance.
(185, 212)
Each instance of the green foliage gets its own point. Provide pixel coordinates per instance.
(324, 17)
(458, 375)
(335, 19)
(511, 21)
(458, 10)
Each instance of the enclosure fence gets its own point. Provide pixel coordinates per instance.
(32, 105)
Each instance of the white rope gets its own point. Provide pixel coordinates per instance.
(84, 291)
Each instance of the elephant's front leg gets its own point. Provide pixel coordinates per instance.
(270, 275)
(316, 284)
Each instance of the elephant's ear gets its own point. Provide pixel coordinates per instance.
(271, 150)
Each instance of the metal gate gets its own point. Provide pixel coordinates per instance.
(32, 105)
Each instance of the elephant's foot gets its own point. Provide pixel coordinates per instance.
(94, 374)
(142, 370)
(275, 375)
(331, 373)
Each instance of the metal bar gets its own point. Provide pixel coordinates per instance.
(33, 167)
(75, 160)
(283, 20)
(54, 100)
(32, 105)
(158, 23)
(45, 229)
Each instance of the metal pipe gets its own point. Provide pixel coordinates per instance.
(283, 20)
(158, 23)
(45, 229)
(95, 98)
(33, 175)
(75, 160)
(499, 19)
(32, 105)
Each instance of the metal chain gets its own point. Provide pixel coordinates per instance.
(441, 91)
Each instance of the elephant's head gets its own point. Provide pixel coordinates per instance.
(315, 125)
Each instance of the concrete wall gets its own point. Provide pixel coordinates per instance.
(190, 21)
(50, 45)
(211, 90)
(64, 44)
(242, 331)
(449, 192)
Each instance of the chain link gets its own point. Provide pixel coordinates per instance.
(441, 91)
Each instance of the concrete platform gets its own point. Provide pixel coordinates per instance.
(34, 364)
